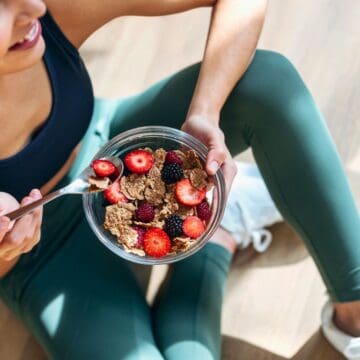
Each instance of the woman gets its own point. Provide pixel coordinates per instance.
(77, 298)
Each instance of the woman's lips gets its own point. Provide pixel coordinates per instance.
(30, 39)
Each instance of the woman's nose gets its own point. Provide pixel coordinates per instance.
(32, 10)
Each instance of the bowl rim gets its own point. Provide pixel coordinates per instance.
(168, 133)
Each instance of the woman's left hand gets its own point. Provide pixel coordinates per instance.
(206, 129)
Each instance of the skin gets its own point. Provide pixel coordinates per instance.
(232, 39)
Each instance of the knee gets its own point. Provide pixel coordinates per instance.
(273, 80)
(273, 91)
(277, 67)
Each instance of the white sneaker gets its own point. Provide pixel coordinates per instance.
(249, 209)
(347, 345)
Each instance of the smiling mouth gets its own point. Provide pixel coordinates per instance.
(29, 39)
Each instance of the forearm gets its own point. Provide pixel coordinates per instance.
(233, 35)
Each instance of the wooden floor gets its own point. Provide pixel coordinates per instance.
(273, 301)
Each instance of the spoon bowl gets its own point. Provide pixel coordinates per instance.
(81, 184)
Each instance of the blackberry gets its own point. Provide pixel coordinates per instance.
(173, 226)
(172, 173)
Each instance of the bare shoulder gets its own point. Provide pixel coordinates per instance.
(78, 19)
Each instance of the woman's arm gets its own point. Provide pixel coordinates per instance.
(232, 39)
(78, 19)
(233, 35)
(234, 32)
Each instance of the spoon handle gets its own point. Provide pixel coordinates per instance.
(16, 214)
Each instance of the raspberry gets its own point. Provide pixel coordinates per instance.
(140, 238)
(203, 211)
(172, 173)
(145, 212)
(173, 226)
(173, 158)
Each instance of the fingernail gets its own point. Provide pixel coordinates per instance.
(35, 192)
(214, 166)
(27, 200)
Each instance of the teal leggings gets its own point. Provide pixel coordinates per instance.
(82, 302)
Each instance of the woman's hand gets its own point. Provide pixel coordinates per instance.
(208, 132)
(21, 236)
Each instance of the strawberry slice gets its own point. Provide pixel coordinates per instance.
(193, 227)
(187, 194)
(114, 175)
(156, 243)
(103, 168)
(139, 161)
(114, 195)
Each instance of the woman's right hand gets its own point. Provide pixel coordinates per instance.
(21, 236)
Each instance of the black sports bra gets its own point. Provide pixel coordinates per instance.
(72, 107)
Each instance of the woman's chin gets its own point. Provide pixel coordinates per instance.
(20, 60)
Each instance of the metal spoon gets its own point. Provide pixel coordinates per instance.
(80, 186)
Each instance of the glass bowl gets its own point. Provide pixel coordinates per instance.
(154, 137)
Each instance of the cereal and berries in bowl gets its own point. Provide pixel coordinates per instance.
(164, 207)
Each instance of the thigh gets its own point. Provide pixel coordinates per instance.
(85, 304)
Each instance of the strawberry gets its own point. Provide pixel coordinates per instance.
(203, 211)
(139, 161)
(187, 194)
(114, 195)
(114, 175)
(156, 243)
(193, 227)
(103, 168)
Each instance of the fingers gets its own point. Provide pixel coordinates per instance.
(4, 226)
(25, 234)
(219, 156)
(229, 170)
(21, 231)
(222, 158)
(217, 153)
(30, 245)
(215, 159)
(38, 212)
(16, 238)
(25, 227)
(8, 204)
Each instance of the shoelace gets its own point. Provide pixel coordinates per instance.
(260, 238)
